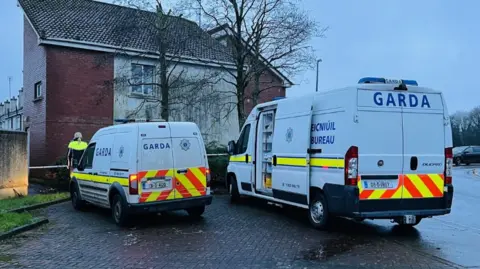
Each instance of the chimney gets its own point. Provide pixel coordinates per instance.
(21, 98)
(7, 107)
(13, 104)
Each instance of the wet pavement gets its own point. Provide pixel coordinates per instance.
(251, 235)
(454, 237)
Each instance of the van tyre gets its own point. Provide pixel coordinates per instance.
(77, 202)
(233, 190)
(119, 211)
(318, 212)
(196, 212)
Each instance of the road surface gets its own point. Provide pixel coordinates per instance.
(251, 235)
(454, 237)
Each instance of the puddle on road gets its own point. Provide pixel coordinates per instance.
(331, 248)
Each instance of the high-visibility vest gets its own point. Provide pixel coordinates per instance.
(77, 148)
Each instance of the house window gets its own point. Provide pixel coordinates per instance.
(142, 79)
(38, 90)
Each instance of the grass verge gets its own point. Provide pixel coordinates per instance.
(9, 221)
(14, 203)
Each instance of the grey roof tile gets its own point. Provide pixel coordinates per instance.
(113, 25)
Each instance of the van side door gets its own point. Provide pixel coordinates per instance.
(290, 149)
(243, 159)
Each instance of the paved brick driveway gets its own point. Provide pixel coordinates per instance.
(247, 235)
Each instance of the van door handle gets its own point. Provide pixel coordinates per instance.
(246, 158)
(274, 160)
(182, 171)
(413, 163)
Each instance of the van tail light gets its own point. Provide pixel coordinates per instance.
(351, 166)
(209, 177)
(133, 184)
(447, 173)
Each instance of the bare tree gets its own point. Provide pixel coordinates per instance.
(466, 127)
(169, 85)
(262, 35)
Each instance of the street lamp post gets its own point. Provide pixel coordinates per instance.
(316, 84)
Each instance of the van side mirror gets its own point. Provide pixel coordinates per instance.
(231, 147)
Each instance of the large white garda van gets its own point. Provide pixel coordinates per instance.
(379, 150)
(142, 168)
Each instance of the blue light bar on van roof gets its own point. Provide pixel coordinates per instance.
(278, 98)
(387, 81)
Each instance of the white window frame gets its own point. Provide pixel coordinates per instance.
(143, 79)
(38, 90)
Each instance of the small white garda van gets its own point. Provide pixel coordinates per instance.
(381, 149)
(144, 167)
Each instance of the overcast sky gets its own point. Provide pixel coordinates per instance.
(435, 42)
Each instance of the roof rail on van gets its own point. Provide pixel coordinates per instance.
(124, 121)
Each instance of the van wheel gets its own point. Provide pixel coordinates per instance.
(77, 203)
(196, 212)
(233, 190)
(119, 212)
(318, 212)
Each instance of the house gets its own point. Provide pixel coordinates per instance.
(11, 113)
(87, 63)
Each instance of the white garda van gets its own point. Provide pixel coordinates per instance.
(144, 167)
(379, 150)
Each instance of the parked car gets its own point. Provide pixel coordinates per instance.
(466, 155)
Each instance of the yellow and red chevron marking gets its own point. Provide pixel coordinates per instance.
(423, 186)
(191, 184)
(409, 186)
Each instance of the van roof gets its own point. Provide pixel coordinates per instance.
(368, 86)
(134, 125)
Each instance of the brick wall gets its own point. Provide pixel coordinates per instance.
(34, 70)
(270, 85)
(80, 96)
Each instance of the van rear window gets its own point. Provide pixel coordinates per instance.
(156, 154)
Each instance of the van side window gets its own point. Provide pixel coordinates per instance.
(87, 159)
(242, 143)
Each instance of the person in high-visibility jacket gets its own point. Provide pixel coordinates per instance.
(76, 147)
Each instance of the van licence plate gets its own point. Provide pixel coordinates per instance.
(379, 184)
(157, 184)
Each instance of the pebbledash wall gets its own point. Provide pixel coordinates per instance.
(13, 164)
(210, 106)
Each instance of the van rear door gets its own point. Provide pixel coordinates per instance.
(189, 161)
(379, 134)
(423, 145)
(155, 167)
